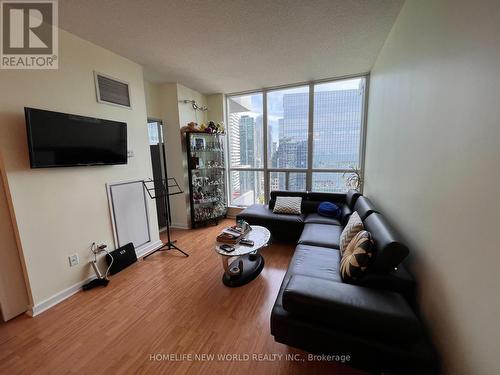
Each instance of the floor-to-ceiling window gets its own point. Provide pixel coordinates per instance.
(245, 128)
(301, 137)
(287, 138)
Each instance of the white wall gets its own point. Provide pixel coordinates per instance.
(216, 105)
(186, 115)
(175, 162)
(433, 148)
(153, 105)
(13, 291)
(61, 211)
(164, 102)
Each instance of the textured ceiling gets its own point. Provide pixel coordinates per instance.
(236, 45)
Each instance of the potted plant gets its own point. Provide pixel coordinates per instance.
(353, 179)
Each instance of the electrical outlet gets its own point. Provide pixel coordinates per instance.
(73, 260)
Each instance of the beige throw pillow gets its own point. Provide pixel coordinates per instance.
(357, 257)
(353, 227)
(287, 205)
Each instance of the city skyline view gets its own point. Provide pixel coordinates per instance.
(336, 136)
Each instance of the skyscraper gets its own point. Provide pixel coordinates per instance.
(292, 154)
(336, 135)
(234, 150)
(247, 140)
(337, 128)
(246, 149)
(335, 141)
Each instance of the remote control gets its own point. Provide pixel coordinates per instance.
(227, 248)
(246, 242)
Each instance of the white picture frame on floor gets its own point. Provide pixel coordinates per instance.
(129, 213)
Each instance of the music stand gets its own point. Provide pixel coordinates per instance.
(161, 189)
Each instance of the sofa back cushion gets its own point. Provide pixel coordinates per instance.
(314, 199)
(390, 252)
(351, 197)
(310, 200)
(364, 207)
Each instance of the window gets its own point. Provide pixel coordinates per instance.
(337, 124)
(247, 187)
(287, 127)
(246, 149)
(287, 181)
(328, 182)
(276, 143)
(245, 127)
(154, 136)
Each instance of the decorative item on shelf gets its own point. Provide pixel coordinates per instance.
(353, 179)
(194, 162)
(211, 128)
(190, 128)
(206, 177)
(199, 144)
(213, 164)
(220, 128)
(199, 181)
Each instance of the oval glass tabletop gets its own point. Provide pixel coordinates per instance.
(259, 235)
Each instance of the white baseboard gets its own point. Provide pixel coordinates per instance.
(56, 298)
(179, 226)
(68, 292)
(148, 248)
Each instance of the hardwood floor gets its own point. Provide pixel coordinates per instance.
(166, 305)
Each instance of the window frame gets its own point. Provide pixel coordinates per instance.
(310, 141)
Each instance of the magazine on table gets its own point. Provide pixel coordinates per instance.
(234, 234)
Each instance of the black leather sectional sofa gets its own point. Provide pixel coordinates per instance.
(374, 321)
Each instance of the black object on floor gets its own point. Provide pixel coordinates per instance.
(121, 258)
(249, 266)
(96, 282)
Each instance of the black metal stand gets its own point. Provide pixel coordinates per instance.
(165, 186)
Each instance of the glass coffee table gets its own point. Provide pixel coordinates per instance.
(247, 263)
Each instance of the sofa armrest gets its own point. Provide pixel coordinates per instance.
(399, 281)
(364, 311)
(345, 214)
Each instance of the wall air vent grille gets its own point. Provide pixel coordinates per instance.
(112, 91)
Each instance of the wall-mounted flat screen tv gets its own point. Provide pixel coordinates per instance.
(63, 140)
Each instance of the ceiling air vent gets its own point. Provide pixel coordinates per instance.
(112, 91)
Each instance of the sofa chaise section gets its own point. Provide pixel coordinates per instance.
(373, 319)
(286, 227)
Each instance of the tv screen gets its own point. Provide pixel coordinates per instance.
(62, 140)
